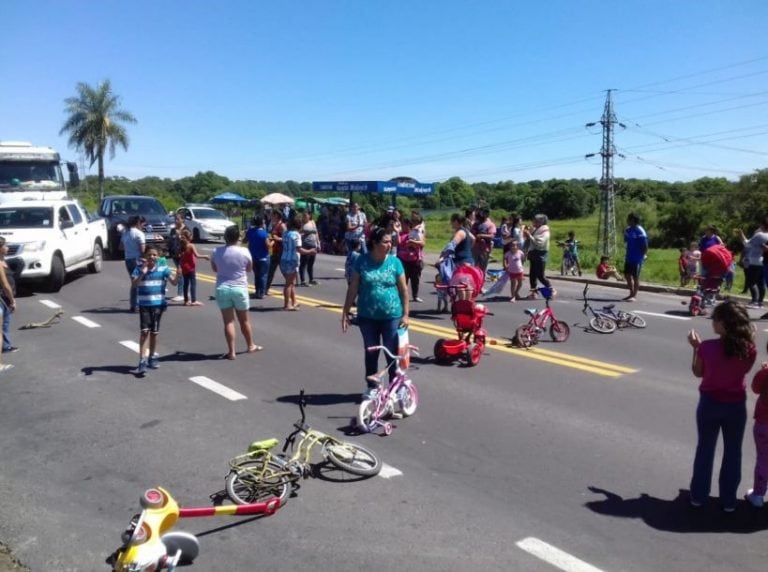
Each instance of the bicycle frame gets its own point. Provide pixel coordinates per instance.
(385, 398)
(541, 319)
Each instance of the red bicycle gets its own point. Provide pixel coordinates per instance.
(541, 320)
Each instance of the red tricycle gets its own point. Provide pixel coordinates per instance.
(467, 316)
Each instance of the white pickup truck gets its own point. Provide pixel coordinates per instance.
(51, 238)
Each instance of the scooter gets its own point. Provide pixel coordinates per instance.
(149, 544)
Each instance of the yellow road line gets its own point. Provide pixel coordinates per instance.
(597, 367)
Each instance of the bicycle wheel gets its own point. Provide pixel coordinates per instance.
(524, 335)
(253, 482)
(602, 324)
(409, 399)
(354, 459)
(559, 331)
(635, 321)
(366, 419)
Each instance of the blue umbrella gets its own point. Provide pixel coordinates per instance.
(228, 198)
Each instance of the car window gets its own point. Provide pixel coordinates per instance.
(64, 215)
(75, 214)
(26, 217)
(208, 214)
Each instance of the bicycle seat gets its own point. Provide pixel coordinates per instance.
(531, 311)
(609, 307)
(263, 445)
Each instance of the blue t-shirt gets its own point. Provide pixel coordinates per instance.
(257, 243)
(637, 244)
(291, 244)
(378, 297)
(151, 289)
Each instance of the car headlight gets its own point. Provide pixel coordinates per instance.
(35, 246)
(206, 226)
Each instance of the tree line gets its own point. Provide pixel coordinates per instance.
(673, 212)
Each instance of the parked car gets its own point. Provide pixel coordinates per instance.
(49, 238)
(118, 209)
(205, 222)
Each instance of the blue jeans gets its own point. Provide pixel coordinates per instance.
(711, 417)
(180, 276)
(130, 266)
(260, 273)
(190, 287)
(7, 345)
(378, 333)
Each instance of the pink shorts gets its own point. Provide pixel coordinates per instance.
(516, 275)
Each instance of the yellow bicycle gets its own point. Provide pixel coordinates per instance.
(260, 474)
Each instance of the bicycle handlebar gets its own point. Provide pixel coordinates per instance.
(412, 348)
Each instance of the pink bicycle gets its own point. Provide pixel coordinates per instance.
(530, 333)
(398, 399)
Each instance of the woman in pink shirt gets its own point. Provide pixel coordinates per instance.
(760, 432)
(722, 364)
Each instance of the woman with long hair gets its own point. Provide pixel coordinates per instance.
(722, 364)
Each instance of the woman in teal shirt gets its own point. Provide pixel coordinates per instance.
(378, 283)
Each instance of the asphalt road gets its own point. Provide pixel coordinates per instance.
(574, 455)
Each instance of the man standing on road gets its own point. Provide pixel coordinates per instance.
(636, 240)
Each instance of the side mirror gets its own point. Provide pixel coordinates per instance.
(74, 177)
(65, 224)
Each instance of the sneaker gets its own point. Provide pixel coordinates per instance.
(695, 503)
(753, 305)
(314, 282)
(142, 369)
(753, 499)
(11, 350)
(729, 509)
(177, 299)
(154, 362)
(371, 392)
(304, 284)
(417, 299)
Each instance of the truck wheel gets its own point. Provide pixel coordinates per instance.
(57, 275)
(98, 259)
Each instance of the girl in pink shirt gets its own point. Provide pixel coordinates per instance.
(722, 364)
(513, 262)
(760, 432)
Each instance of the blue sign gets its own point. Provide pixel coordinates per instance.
(384, 187)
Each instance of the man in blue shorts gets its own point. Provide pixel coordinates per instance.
(149, 280)
(636, 241)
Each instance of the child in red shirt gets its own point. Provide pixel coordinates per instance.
(189, 256)
(760, 431)
(606, 270)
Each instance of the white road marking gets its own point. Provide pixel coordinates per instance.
(554, 556)
(670, 316)
(131, 345)
(387, 471)
(217, 388)
(340, 269)
(49, 303)
(86, 322)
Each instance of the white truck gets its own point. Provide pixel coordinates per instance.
(30, 172)
(49, 238)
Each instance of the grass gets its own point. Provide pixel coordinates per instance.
(659, 268)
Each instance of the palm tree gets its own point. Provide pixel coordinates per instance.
(95, 122)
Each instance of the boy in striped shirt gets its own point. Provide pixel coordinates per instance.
(149, 279)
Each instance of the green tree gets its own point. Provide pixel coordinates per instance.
(95, 122)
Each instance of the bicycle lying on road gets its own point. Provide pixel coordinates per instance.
(530, 333)
(605, 320)
(399, 398)
(259, 474)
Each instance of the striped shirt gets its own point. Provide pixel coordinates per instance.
(151, 288)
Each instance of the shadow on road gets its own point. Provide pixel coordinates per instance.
(677, 514)
(323, 398)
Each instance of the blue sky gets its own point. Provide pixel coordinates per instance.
(351, 90)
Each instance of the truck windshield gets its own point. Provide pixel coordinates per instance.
(138, 206)
(26, 175)
(26, 217)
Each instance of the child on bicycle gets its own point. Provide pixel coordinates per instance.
(607, 270)
(513, 262)
(149, 279)
(571, 250)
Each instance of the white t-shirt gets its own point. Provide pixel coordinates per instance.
(355, 219)
(232, 265)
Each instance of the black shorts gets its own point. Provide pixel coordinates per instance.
(632, 269)
(149, 318)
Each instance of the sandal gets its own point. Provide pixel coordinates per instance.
(255, 348)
